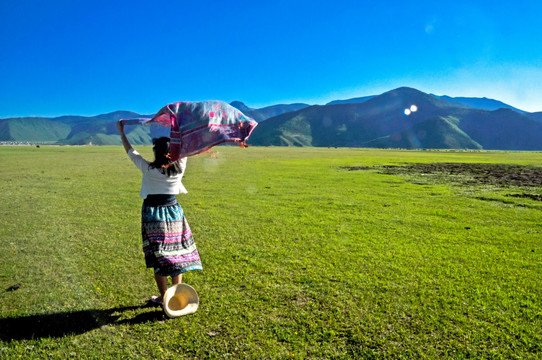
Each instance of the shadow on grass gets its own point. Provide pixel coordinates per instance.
(71, 323)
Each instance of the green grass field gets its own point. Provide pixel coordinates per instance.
(302, 257)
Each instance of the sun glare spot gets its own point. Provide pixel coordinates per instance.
(407, 112)
(413, 108)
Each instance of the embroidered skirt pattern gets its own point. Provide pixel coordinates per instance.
(167, 240)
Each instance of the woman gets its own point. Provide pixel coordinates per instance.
(167, 240)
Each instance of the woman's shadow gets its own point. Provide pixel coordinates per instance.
(71, 323)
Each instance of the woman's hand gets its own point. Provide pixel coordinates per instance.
(123, 138)
(120, 126)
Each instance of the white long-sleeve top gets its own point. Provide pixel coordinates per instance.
(154, 182)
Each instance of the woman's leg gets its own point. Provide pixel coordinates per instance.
(161, 282)
(177, 279)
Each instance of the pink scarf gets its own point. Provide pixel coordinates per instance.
(198, 126)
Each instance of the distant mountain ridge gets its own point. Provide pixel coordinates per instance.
(480, 103)
(474, 102)
(74, 129)
(357, 100)
(268, 111)
(32, 129)
(383, 120)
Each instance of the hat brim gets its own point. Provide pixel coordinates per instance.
(179, 300)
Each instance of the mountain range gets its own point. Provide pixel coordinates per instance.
(400, 118)
(387, 121)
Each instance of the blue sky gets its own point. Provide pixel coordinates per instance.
(93, 57)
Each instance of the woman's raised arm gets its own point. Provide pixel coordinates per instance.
(124, 139)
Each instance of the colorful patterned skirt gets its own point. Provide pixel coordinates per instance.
(167, 240)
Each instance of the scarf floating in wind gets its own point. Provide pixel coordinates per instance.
(198, 126)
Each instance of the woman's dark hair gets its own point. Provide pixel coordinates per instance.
(161, 157)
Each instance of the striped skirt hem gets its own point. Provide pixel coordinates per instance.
(168, 243)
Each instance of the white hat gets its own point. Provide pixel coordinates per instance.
(180, 299)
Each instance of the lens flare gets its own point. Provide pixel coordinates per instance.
(407, 112)
(413, 108)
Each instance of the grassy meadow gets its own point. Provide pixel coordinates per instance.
(307, 253)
